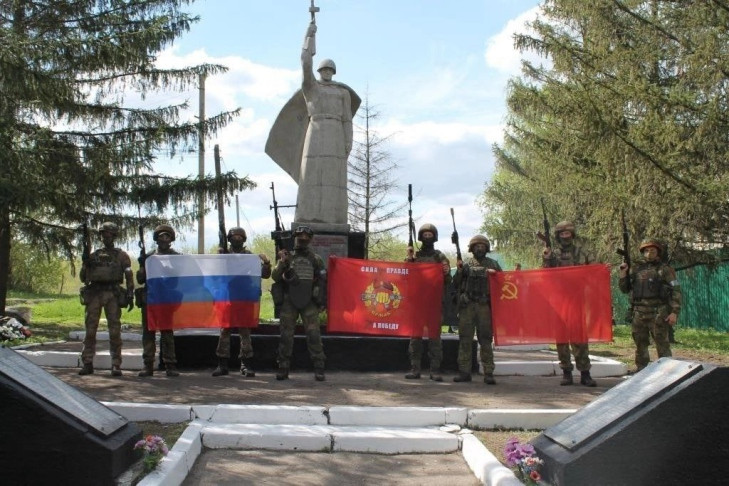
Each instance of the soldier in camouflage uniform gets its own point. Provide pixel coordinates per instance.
(569, 253)
(237, 238)
(427, 235)
(474, 309)
(103, 273)
(656, 298)
(300, 289)
(163, 236)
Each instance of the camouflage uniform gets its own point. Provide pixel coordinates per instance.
(246, 346)
(435, 345)
(302, 296)
(166, 338)
(474, 314)
(565, 255)
(103, 273)
(655, 293)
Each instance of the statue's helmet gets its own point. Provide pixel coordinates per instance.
(237, 230)
(479, 239)
(110, 227)
(300, 230)
(327, 63)
(428, 227)
(651, 242)
(163, 228)
(564, 226)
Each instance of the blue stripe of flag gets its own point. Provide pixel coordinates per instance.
(211, 288)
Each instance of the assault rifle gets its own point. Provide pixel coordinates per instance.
(85, 242)
(142, 250)
(223, 237)
(280, 237)
(411, 225)
(454, 238)
(625, 250)
(546, 236)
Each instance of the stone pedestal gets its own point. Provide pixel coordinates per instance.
(334, 239)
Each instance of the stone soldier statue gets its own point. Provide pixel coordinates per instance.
(300, 290)
(103, 273)
(312, 137)
(427, 235)
(237, 238)
(656, 297)
(567, 253)
(163, 235)
(474, 314)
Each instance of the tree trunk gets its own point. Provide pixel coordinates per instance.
(4, 256)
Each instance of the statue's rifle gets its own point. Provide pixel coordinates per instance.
(311, 41)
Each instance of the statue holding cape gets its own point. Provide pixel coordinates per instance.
(312, 137)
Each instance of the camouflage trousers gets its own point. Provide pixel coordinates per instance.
(149, 346)
(581, 353)
(246, 346)
(102, 299)
(475, 317)
(435, 353)
(650, 322)
(310, 319)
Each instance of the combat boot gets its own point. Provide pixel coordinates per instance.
(435, 376)
(319, 374)
(566, 378)
(88, 369)
(488, 378)
(222, 368)
(414, 374)
(171, 370)
(116, 370)
(148, 370)
(586, 379)
(462, 377)
(246, 370)
(282, 374)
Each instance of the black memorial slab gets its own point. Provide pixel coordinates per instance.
(666, 425)
(53, 433)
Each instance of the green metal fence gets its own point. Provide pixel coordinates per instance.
(705, 298)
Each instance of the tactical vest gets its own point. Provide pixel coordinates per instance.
(435, 256)
(103, 266)
(570, 256)
(649, 283)
(302, 287)
(475, 282)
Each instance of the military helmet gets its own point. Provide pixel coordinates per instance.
(303, 229)
(327, 63)
(651, 242)
(110, 227)
(237, 230)
(428, 227)
(163, 228)
(479, 239)
(564, 226)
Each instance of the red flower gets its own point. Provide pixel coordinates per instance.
(535, 476)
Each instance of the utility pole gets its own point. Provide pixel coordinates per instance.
(201, 167)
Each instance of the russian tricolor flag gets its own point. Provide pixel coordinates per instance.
(203, 291)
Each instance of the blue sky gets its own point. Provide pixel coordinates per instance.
(436, 71)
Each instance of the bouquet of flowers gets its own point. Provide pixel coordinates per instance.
(523, 460)
(10, 328)
(154, 448)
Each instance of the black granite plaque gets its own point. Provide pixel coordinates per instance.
(74, 402)
(52, 433)
(620, 401)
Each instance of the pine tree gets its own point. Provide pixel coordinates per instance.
(73, 148)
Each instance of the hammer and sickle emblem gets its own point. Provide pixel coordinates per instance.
(509, 291)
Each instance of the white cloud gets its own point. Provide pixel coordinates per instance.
(500, 53)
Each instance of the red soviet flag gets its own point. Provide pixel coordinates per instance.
(552, 305)
(384, 298)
